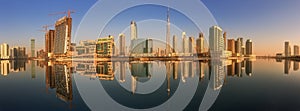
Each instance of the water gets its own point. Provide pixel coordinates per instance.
(262, 84)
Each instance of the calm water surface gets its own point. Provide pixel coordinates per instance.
(182, 85)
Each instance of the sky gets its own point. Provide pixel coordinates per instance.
(267, 22)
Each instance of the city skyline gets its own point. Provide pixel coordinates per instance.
(248, 30)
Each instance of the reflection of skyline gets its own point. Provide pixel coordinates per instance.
(12, 66)
(58, 76)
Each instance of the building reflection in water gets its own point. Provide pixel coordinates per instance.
(32, 62)
(105, 70)
(296, 65)
(59, 77)
(7, 66)
(217, 70)
(287, 66)
(122, 72)
(140, 72)
(248, 67)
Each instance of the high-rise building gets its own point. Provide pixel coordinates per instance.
(200, 43)
(122, 44)
(4, 51)
(105, 46)
(216, 42)
(249, 47)
(168, 33)
(191, 45)
(17, 52)
(148, 47)
(133, 34)
(32, 42)
(62, 40)
(231, 45)
(225, 39)
(287, 49)
(133, 30)
(175, 44)
(238, 46)
(49, 42)
(296, 50)
(185, 44)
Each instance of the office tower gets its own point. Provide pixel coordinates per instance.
(243, 50)
(200, 43)
(238, 46)
(133, 30)
(185, 44)
(148, 48)
(62, 40)
(216, 41)
(175, 44)
(225, 36)
(49, 42)
(32, 42)
(231, 45)
(122, 44)
(248, 47)
(191, 45)
(105, 46)
(5, 51)
(296, 50)
(242, 46)
(287, 49)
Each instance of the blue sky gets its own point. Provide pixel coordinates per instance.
(267, 22)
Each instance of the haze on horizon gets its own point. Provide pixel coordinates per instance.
(267, 22)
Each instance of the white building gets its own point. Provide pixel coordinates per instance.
(4, 51)
(216, 42)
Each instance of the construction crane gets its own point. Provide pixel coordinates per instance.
(45, 27)
(66, 12)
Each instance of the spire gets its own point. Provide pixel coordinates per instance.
(168, 33)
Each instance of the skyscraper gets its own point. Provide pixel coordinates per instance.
(122, 44)
(185, 44)
(200, 43)
(191, 45)
(287, 49)
(296, 50)
(175, 44)
(225, 36)
(168, 33)
(133, 30)
(238, 46)
(4, 51)
(49, 42)
(62, 40)
(32, 42)
(133, 34)
(248, 47)
(231, 45)
(216, 42)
